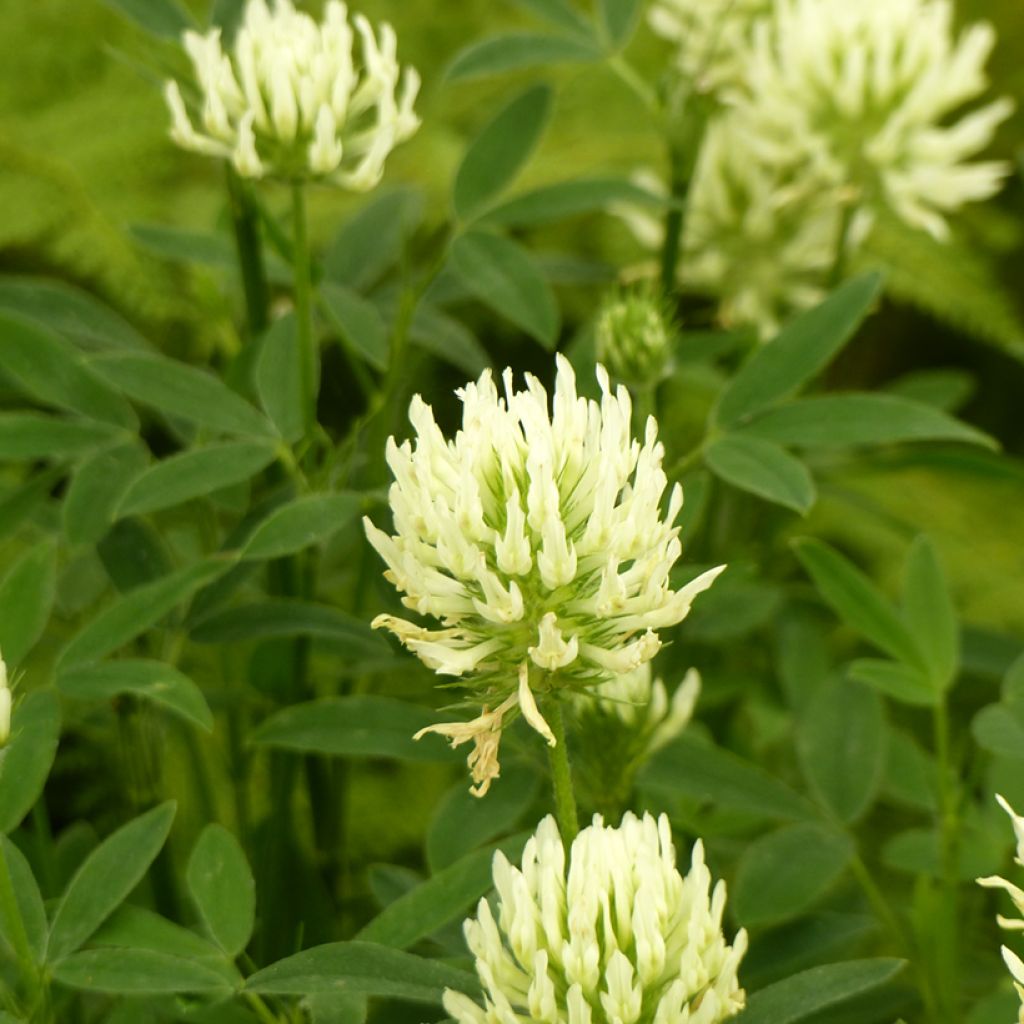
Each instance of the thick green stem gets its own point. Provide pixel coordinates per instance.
(561, 775)
(683, 151)
(838, 270)
(307, 352)
(245, 219)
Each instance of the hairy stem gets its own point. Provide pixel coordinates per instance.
(307, 352)
(245, 219)
(561, 775)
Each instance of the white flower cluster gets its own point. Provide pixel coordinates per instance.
(712, 37)
(617, 936)
(865, 93)
(293, 100)
(539, 539)
(829, 113)
(641, 703)
(1013, 962)
(634, 336)
(6, 700)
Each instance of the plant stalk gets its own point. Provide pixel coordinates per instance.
(245, 219)
(303, 290)
(561, 775)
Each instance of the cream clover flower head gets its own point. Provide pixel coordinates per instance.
(615, 936)
(1013, 962)
(298, 99)
(866, 93)
(6, 701)
(540, 539)
(712, 37)
(634, 336)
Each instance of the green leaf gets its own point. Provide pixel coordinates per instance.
(355, 726)
(138, 972)
(840, 421)
(183, 246)
(516, 51)
(504, 276)
(777, 370)
(945, 389)
(930, 615)
(371, 240)
(361, 968)
(133, 553)
(301, 523)
(26, 760)
(96, 490)
(463, 822)
(136, 611)
(26, 600)
(29, 900)
(782, 874)
(842, 747)
(497, 154)
(30, 435)
(894, 679)
(569, 199)
(997, 729)
(181, 390)
(720, 777)
(25, 500)
(277, 378)
(106, 878)
(131, 927)
(619, 19)
(446, 896)
(442, 336)
(856, 601)
(222, 886)
(72, 313)
(165, 19)
(560, 13)
(762, 468)
(151, 680)
(194, 474)
(359, 322)
(53, 371)
(819, 989)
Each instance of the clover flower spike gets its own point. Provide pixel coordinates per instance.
(539, 540)
(610, 933)
(6, 700)
(297, 99)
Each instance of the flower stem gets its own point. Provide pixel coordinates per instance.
(561, 775)
(838, 271)
(245, 219)
(683, 151)
(303, 307)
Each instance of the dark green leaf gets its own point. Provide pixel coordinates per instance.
(722, 778)
(782, 874)
(133, 553)
(25, 500)
(901, 682)
(445, 897)
(26, 599)
(132, 927)
(194, 474)
(777, 370)
(440, 335)
(515, 51)
(361, 967)
(181, 390)
(361, 325)
(151, 680)
(165, 19)
(816, 990)
(26, 760)
(356, 726)
(931, 617)
(497, 154)
(31, 435)
(30, 903)
(945, 389)
(96, 489)
(308, 520)
(72, 313)
(503, 276)
(136, 611)
(54, 372)
(223, 889)
(762, 468)
(856, 600)
(568, 199)
(842, 746)
(839, 421)
(138, 972)
(997, 729)
(277, 378)
(619, 19)
(106, 878)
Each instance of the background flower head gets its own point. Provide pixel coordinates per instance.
(294, 98)
(611, 933)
